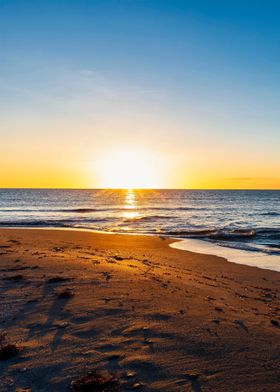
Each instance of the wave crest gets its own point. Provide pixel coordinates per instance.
(217, 234)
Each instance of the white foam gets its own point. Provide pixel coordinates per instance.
(253, 259)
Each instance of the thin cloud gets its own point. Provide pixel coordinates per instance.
(253, 179)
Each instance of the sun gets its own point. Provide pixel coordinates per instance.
(128, 168)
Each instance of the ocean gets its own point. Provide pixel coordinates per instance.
(234, 219)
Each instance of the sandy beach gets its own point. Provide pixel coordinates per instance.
(157, 318)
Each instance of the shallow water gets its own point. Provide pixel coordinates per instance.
(238, 256)
(244, 220)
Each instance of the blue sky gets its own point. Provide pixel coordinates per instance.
(195, 77)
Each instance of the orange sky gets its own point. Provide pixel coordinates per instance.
(66, 165)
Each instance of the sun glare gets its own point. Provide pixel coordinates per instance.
(129, 168)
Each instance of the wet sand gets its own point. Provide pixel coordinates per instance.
(158, 318)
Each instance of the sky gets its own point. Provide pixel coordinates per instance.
(158, 93)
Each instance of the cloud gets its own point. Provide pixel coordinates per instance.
(245, 179)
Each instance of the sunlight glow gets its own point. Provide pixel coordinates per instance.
(128, 168)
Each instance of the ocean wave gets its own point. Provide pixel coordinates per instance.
(33, 224)
(49, 222)
(84, 210)
(250, 246)
(190, 233)
(218, 234)
(146, 218)
(235, 234)
(271, 233)
(56, 210)
(270, 213)
(272, 246)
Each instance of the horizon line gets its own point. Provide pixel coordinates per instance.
(143, 189)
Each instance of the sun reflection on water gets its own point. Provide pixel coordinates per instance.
(130, 204)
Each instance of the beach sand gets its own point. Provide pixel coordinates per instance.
(158, 318)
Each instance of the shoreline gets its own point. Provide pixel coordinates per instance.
(232, 255)
(159, 318)
(200, 246)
